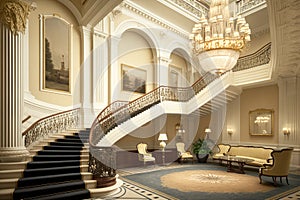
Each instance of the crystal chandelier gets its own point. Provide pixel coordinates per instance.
(217, 41)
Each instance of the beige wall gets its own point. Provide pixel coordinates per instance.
(135, 52)
(179, 65)
(256, 98)
(50, 8)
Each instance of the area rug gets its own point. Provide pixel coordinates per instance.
(210, 181)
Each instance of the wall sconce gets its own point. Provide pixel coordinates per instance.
(230, 131)
(177, 126)
(286, 131)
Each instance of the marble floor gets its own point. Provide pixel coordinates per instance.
(133, 191)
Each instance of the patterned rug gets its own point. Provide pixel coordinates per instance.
(210, 181)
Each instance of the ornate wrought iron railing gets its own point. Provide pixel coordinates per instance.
(246, 5)
(260, 57)
(106, 121)
(192, 6)
(51, 124)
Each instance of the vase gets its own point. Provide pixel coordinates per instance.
(202, 158)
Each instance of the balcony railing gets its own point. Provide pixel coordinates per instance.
(260, 57)
(243, 6)
(191, 6)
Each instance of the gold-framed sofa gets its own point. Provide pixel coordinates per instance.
(258, 155)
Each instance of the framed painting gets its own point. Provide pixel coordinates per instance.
(133, 79)
(174, 76)
(261, 122)
(55, 54)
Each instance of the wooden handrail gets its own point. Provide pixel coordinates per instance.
(27, 118)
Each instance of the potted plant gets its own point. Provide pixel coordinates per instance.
(201, 150)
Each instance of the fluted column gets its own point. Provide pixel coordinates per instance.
(13, 16)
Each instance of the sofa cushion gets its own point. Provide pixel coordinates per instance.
(258, 155)
(250, 151)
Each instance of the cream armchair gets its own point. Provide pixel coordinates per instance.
(280, 166)
(182, 153)
(143, 154)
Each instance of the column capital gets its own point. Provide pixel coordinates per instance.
(14, 14)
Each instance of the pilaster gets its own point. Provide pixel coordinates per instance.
(163, 69)
(87, 116)
(289, 110)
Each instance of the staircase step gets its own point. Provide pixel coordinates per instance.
(54, 170)
(70, 140)
(43, 164)
(14, 173)
(57, 147)
(58, 157)
(45, 190)
(90, 184)
(13, 165)
(74, 195)
(59, 152)
(39, 180)
(8, 183)
(6, 194)
(66, 144)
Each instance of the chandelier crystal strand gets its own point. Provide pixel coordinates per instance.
(220, 32)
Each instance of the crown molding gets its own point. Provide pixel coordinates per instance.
(143, 13)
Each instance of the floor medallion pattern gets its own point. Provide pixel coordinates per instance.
(213, 181)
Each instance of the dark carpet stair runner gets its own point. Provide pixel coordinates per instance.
(54, 173)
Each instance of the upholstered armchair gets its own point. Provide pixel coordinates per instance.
(143, 154)
(279, 167)
(182, 153)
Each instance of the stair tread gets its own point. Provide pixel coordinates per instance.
(8, 180)
(52, 185)
(11, 171)
(51, 169)
(73, 194)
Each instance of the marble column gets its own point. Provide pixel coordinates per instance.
(13, 17)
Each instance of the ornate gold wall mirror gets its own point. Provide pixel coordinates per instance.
(261, 122)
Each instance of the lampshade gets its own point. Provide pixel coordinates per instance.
(163, 137)
(207, 130)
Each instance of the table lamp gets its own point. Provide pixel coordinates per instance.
(163, 137)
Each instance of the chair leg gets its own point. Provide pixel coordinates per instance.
(280, 179)
(274, 179)
(287, 181)
(260, 181)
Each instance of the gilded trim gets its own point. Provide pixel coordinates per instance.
(14, 14)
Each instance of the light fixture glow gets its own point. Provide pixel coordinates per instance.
(217, 41)
(286, 131)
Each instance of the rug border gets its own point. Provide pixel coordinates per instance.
(149, 189)
(284, 194)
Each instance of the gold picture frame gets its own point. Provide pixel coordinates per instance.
(55, 54)
(261, 122)
(133, 79)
